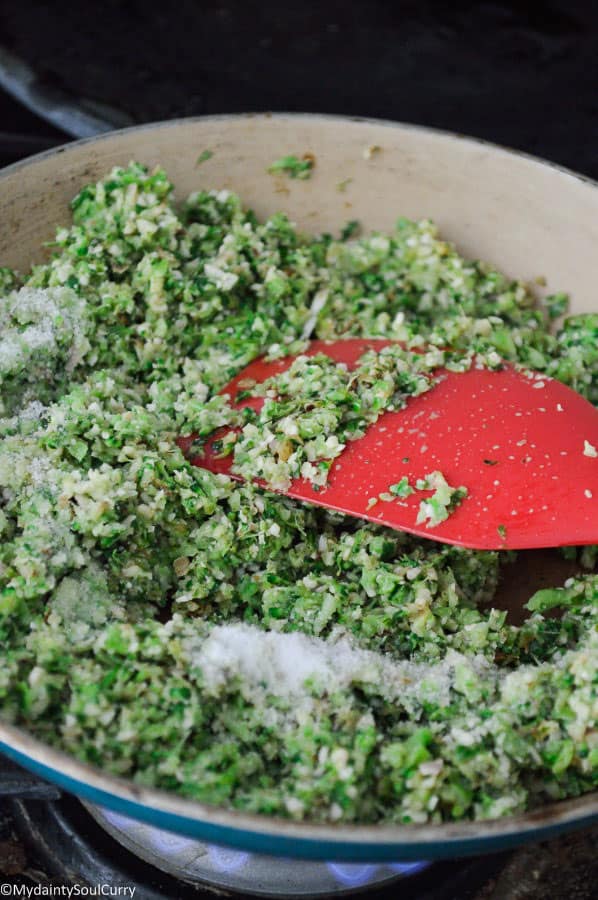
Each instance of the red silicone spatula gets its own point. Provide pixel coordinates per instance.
(515, 442)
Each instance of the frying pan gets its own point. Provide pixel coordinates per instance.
(528, 217)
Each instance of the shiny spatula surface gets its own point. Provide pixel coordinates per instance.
(515, 442)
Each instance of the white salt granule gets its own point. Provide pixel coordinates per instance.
(40, 468)
(32, 412)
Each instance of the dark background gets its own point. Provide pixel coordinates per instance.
(522, 74)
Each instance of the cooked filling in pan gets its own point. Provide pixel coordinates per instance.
(213, 637)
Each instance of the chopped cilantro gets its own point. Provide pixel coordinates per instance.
(556, 305)
(349, 230)
(402, 488)
(204, 156)
(293, 166)
(437, 508)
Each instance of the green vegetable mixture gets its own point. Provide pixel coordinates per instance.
(222, 641)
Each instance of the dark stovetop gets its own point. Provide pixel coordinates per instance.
(22, 133)
(522, 74)
(48, 838)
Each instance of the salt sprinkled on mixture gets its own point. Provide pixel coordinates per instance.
(36, 319)
(32, 411)
(280, 664)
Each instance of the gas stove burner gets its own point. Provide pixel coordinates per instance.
(69, 843)
(244, 873)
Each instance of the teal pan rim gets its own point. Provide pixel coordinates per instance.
(372, 844)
